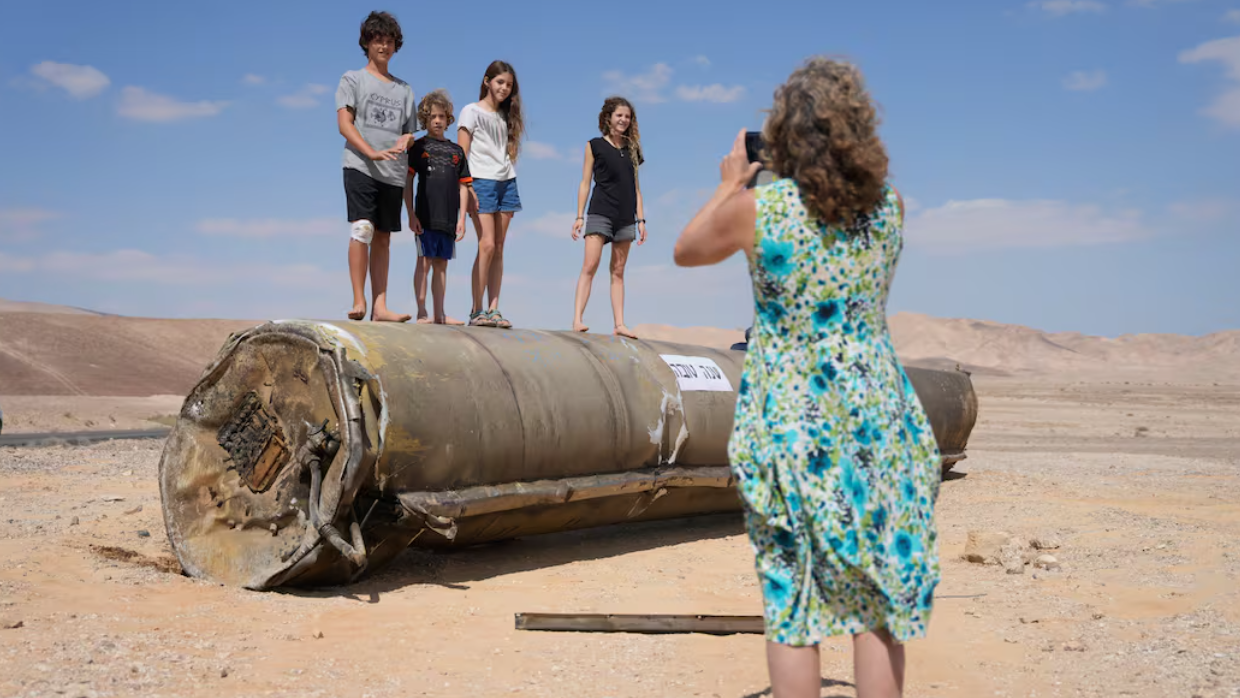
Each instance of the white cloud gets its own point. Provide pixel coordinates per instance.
(1085, 80)
(992, 223)
(650, 86)
(551, 224)
(1232, 16)
(305, 98)
(272, 227)
(1205, 210)
(143, 105)
(80, 81)
(1226, 107)
(1059, 8)
(702, 61)
(136, 266)
(252, 79)
(17, 224)
(710, 93)
(541, 151)
(645, 87)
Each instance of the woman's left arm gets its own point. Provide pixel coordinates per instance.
(726, 223)
(641, 216)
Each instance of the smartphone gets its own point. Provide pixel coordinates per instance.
(753, 149)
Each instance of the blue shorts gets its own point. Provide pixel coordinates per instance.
(437, 245)
(497, 195)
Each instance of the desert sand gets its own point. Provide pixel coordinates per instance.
(1124, 456)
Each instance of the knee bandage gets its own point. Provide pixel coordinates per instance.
(363, 231)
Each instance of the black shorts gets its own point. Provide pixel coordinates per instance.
(372, 200)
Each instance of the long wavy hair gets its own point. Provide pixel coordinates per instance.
(510, 108)
(822, 132)
(632, 137)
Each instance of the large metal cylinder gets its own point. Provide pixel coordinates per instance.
(313, 452)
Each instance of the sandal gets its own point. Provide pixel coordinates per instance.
(498, 320)
(481, 318)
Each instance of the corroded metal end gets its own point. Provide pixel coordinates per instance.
(254, 474)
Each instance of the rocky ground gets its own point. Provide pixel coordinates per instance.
(1134, 489)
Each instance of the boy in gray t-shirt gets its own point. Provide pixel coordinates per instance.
(377, 115)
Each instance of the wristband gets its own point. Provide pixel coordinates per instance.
(641, 220)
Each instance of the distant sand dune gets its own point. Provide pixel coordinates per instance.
(77, 352)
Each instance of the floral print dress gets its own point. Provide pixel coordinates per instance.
(836, 462)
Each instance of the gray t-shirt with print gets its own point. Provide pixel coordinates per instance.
(382, 112)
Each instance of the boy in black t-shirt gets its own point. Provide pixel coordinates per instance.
(442, 173)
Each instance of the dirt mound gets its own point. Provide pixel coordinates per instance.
(68, 354)
(7, 306)
(990, 347)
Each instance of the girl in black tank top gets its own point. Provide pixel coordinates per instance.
(615, 214)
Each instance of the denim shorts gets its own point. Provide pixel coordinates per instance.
(436, 245)
(497, 195)
(603, 227)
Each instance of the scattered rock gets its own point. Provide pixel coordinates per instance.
(983, 546)
(144, 534)
(317, 634)
(1047, 542)
(74, 521)
(224, 673)
(1098, 616)
(134, 510)
(113, 498)
(10, 624)
(1046, 562)
(1011, 556)
(1073, 647)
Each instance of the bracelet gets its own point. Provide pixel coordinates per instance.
(641, 220)
(580, 218)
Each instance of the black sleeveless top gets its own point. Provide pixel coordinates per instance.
(615, 184)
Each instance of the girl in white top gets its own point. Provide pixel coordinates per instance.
(490, 132)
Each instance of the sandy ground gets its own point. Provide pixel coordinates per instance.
(61, 413)
(1140, 484)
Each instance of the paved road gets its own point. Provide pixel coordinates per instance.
(80, 438)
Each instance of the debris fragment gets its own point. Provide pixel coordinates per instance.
(1046, 562)
(8, 624)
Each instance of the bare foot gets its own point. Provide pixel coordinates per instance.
(358, 312)
(388, 316)
(622, 331)
(424, 320)
(580, 327)
(449, 320)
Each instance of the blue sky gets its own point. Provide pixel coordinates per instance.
(1069, 164)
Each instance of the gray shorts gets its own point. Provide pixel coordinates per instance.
(601, 225)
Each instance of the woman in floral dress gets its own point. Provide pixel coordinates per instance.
(835, 459)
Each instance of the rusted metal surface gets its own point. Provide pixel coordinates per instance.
(310, 453)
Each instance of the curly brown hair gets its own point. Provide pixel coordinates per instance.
(632, 136)
(822, 132)
(379, 24)
(510, 109)
(435, 98)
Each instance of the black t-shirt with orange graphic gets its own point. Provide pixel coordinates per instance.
(440, 167)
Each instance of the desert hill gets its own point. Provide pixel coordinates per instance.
(51, 350)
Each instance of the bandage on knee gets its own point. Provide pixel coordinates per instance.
(363, 231)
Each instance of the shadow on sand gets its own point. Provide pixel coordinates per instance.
(826, 683)
(457, 568)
